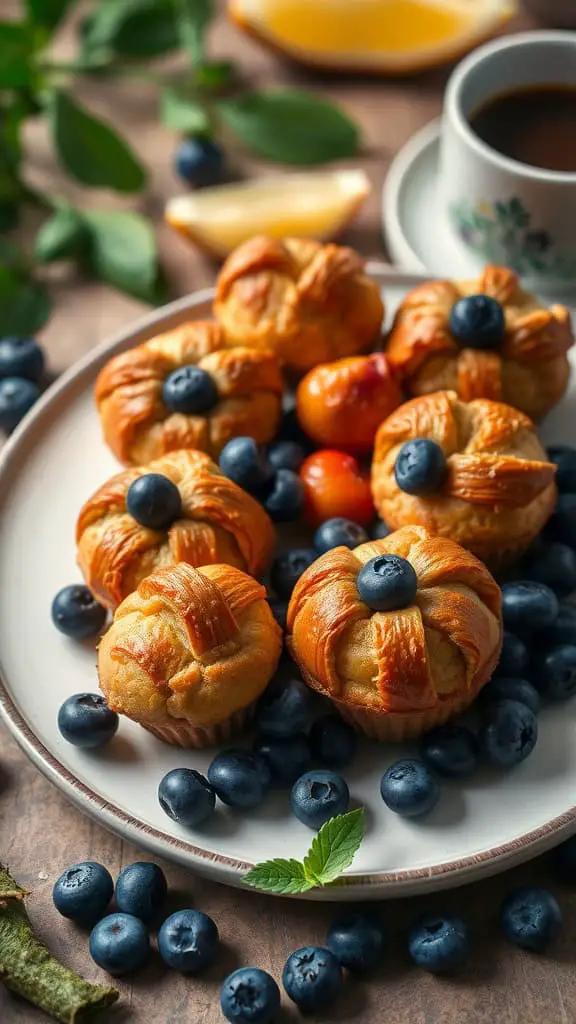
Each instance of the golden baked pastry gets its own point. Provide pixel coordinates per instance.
(395, 674)
(309, 302)
(527, 367)
(242, 395)
(189, 652)
(218, 522)
(498, 488)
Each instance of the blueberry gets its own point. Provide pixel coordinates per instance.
(17, 396)
(531, 918)
(555, 676)
(153, 501)
(286, 455)
(119, 944)
(286, 758)
(285, 500)
(555, 565)
(199, 161)
(186, 797)
(239, 778)
(527, 606)
(21, 357)
(287, 569)
(334, 742)
(502, 688)
(76, 612)
(279, 610)
(409, 788)
(509, 733)
(250, 995)
(562, 523)
(565, 458)
(564, 861)
(338, 532)
(318, 796)
(83, 892)
(514, 656)
(244, 462)
(387, 583)
(451, 751)
(562, 630)
(312, 977)
(284, 708)
(380, 530)
(477, 321)
(356, 940)
(420, 467)
(439, 944)
(188, 940)
(141, 890)
(190, 390)
(85, 720)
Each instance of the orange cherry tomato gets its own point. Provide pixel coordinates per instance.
(336, 485)
(342, 404)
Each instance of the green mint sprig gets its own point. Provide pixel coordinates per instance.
(331, 852)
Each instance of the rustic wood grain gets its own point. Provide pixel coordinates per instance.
(40, 833)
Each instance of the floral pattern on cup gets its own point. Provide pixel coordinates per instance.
(503, 232)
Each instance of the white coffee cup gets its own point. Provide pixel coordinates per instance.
(502, 210)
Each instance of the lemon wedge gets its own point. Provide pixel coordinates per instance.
(316, 205)
(376, 36)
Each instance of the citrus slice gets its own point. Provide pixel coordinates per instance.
(307, 205)
(382, 36)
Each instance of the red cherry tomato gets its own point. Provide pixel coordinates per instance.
(336, 485)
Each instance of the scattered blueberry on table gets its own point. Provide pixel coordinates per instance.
(190, 390)
(286, 455)
(119, 943)
(508, 734)
(141, 890)
(477, 321)
(285, 708)
(21, 357)
(451, 751)
(357, 940)
(188, 940)
(246, 463)
(555, 673)
(562, 630)
(334, 743)
(531, 918)
(186, 797)
(17, 396)
(85, 720)
(76, 612)
(83, 892)
(420, 467)
(555, 565)
(440, 944)
(386, 583)
(514, 656)
(409, 788)
(312, 978)
(153, 501)
(199, 161)
(500, 688)
(338, 532)
(240, 779)
(527, 606)
(287, 569)
(287, 757)
(318, 796)
(565, 458)
(284, 501)
(250, 995)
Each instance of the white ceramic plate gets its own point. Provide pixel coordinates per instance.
(52, 463)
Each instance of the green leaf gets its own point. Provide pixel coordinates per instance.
(214, 74)
(123, 252)
(291, 127)
(61, 237)
(194, 17)
(89, 149)
(334, 848)
(16, 49)
(25, 304)
(47, 13)
(183, 115)
(284, 877)
(132, 28)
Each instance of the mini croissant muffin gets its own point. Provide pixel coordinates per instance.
(485, 338)
(472, 471)
(189, 652)
(311, 303)
(400, 634)
(185, 389)
(211, 520)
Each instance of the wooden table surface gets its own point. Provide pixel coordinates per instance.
(40, 833)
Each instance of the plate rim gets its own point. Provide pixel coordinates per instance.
(401, 251)
(221, 867)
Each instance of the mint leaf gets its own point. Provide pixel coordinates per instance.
(25, 304)
(61, 237)
(291, 127)
(47, 13)
(131, 28)
(183, 115)
(122, 252)
(16, 49)
(214, 74)
(334, 848)
(284, 877)
(91, 150)
(194, 17)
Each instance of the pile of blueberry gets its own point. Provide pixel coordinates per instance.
(21, 376)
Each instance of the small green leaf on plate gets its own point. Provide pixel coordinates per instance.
(61, 237)
(284, 877)
(25, 304)
(16, 48)
(47, 13)
(334, 848)
(90, 149)
(194, 17)
(123, 252)
(182, 115)
(291, 127)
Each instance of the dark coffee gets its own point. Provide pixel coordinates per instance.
(536, 126)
